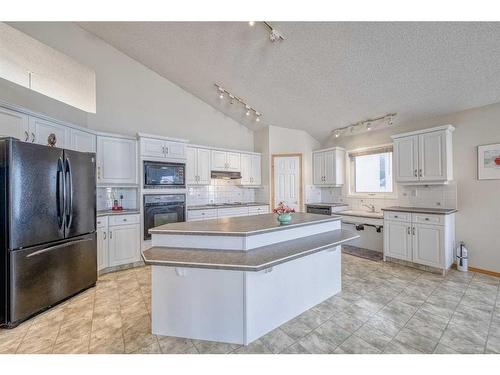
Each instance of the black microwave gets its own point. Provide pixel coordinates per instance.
(164, 175)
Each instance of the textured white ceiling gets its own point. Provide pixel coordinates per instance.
(324, 75)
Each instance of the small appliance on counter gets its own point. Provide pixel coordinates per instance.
(325, 208)
(117, 206)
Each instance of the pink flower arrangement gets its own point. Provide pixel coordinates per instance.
(283, 209)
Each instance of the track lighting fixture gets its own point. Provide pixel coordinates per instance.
(233, 99)
(366, 125)
(274, 35)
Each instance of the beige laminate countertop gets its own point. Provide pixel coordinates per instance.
(111, 212)
(422, 210)
(251, 260)
(241, 226)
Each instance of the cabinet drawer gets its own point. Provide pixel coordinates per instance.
(228, 212)
(397, 216)
(428, 219)
(258, 210)
(124, 219)
(202, 214)
(102, 222)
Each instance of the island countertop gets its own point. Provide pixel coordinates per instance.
(252, 260)
(241, 226)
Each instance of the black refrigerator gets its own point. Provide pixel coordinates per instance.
(48, 246)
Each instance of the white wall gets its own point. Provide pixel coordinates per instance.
(478, 218)
(132, 98)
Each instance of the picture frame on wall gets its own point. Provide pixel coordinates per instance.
(488, 162)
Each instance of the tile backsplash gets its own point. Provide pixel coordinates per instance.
(224, 191)
(435, 196)
(106, 195)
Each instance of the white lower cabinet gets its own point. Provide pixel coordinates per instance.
(214, 213)
(102, 243)
(118, 240)
(426, 239)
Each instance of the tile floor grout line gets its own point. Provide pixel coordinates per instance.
(491, 319)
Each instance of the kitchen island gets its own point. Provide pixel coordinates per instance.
(235, 279)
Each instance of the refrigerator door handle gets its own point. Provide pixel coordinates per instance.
(60, 193)
(56, 247)
(69, 194)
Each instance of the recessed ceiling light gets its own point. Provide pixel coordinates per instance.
(251, 23)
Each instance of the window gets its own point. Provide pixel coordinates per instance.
(371, 171)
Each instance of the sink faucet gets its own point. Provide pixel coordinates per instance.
(371, 207)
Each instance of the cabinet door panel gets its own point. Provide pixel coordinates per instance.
(256, 170)
(117, 160)
(428, 245)
(397, 240)
(318, 168)
(152, 147)
(218, 160)
(42, 129)
(14, 124)
(234, 161)
(191, 166)
(203, 166)
(175, 150)
(432, 156)
(82, 141)
(246, 169)
(124, 244)
(102, 248)
(406, 158)
(330, 172)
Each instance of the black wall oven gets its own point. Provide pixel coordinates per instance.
(162, 209)
(158, 175)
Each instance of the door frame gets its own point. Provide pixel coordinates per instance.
(301, 177)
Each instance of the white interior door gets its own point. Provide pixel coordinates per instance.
(287, 181)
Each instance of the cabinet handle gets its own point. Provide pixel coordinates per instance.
(420, 173)
(110, 235)
(98, 172)
(124, 219)
(166, 148)
(104, 235)
(409, 230)
(415, 173)
(32, 137)
(27, 136)
(413, 230)
(426, 219)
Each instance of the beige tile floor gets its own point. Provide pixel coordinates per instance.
(383, 308)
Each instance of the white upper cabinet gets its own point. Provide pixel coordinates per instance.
(328, 167)
(41, 130)
(424, 157)
(82, 141)
(14, 124)
(250, 169)
(197, 166)
(225, 161)
(116, 160)
(161, 149)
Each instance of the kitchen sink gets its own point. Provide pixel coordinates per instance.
(362, 213)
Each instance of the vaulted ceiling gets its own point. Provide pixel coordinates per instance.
(324, 75)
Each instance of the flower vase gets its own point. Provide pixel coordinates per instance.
(285, 218)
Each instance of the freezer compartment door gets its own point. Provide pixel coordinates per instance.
(36, 195)
(42, 276)
(80, 184)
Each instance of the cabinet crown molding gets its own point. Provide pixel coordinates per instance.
(422, 131)
(171, 139)
(330, 149)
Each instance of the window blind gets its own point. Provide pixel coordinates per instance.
(371, 151)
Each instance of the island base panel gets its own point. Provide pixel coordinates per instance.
(240, 306)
